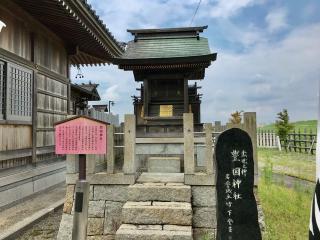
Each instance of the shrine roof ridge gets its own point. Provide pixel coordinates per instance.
(168, 30)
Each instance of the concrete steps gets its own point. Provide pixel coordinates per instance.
(174, 213)
(154, 232)
(162, 192)
(159, 208)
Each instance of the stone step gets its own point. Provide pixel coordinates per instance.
(161, 178)
(163, 192)
(154, 232)
(172, 213)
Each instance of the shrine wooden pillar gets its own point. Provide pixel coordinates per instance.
(186, 96)
(146, 97)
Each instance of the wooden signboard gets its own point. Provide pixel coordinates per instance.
(81, 135)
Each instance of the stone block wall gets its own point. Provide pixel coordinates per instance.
(104, 212)
(204, 222)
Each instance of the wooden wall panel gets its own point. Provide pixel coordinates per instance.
(45, 138)
(51, 55)
(47, 102)
(15, 137)
(51, 96)
(52, 86)
(47, 120)
(15, 37)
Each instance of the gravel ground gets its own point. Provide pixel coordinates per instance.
(23, 209)
(46, 228)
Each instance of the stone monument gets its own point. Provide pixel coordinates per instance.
(237, 215)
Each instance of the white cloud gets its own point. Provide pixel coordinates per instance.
(227, 8)
(277, 20)
(266, 79)
(125, 14)
(245, 37)
(111, 93)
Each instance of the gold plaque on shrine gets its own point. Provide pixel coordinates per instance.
(166, 110)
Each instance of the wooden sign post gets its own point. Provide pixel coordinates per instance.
(81, 135)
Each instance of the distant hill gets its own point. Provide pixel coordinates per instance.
(299, 125)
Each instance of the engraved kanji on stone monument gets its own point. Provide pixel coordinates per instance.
(237, 213)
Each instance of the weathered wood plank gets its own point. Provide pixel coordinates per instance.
(15, 137)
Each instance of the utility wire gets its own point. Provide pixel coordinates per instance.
(195, 13)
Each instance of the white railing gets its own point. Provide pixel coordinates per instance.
(267, 139)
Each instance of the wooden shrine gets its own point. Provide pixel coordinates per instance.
(164, 61)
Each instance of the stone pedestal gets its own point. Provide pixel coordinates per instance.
(164, 164)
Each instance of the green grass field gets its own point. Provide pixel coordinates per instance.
(299, 165)
(286, 211)
(299, 125)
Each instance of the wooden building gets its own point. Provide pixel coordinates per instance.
(80, 95)
(39, 41)
(164, 61)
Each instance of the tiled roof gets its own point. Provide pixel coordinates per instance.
(167, 48)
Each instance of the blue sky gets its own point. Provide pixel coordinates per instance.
(268, 53)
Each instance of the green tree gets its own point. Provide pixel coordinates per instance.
(283, 125)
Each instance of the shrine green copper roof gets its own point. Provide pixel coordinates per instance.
(167, 47)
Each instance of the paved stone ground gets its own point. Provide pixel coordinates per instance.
(47, 228)
(25, 208)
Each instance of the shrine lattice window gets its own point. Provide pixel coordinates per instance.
(16, 92)
(2, 89)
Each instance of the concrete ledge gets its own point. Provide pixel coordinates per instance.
(164, 164)
(200, 179)
(30, 173)
(165, 149)
(158, 140)
(18, 190)
(104, 178)
(166, 140)
(11, 232)
(161, 178)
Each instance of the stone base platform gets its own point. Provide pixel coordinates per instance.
(155, 232)
(161, 178)
(122, 207)
(164, 164)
